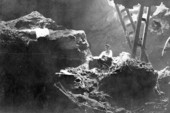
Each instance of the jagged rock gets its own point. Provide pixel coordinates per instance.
(164, 80)
(164, 86)
(28, 62)
(130, 79)
(127, 82)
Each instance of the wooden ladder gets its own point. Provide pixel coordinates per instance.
(143, 55)
(124, 14)
(129, 27)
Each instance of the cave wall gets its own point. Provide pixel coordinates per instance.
(28, 63)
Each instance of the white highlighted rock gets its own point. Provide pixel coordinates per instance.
(40, 32)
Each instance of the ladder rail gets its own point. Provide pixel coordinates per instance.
(144, 57)
(120, 17)
(137, 32)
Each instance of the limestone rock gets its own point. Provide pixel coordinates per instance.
(128, 79)
(127, 82)
(28, 63)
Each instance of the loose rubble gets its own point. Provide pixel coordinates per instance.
(108, 90)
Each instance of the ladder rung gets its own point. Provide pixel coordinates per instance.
(123, 10)
(128, 24)
(125, 17)
(131, 33)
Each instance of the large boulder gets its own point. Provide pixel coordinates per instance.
(28, 61)
(164, 80)
(128, 82)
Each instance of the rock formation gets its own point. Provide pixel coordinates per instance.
(127, 85)
(28, 62)
(164, 85)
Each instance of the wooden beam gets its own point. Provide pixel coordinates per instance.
(137, 33)
(144, 56)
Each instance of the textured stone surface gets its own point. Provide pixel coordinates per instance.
(164, 80)
(129, 79)
(28, 63)
(164, 85)
(129, 84)
(157, 37)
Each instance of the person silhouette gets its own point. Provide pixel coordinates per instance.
(105, 58)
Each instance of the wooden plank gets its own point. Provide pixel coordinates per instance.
(123, 10)
(137, 33)
(144, 56)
